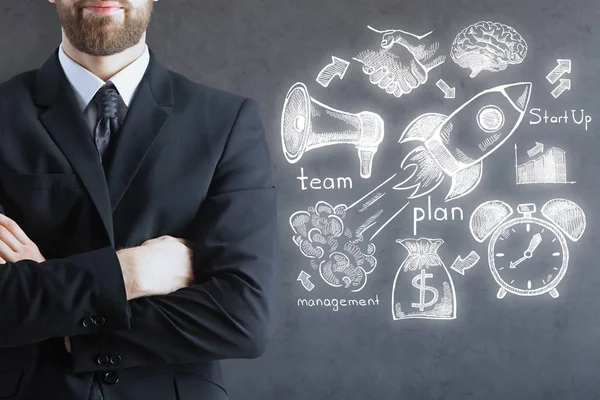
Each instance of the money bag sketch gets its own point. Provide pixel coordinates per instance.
(423, 287)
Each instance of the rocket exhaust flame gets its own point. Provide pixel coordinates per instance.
(426, 175)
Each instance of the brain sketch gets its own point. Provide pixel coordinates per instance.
(489, 46)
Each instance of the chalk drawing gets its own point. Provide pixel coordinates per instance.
(308, 124)
(527, 255)
(423, 287)
(550, 167)
(563, 67)
(488, 46)
(456, 145)
(338, 67)
(460, 265)
(449, 93)
(398, 70)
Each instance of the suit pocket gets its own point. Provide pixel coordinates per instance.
(50, 181)
(191, 387)
(46, 206)
(10, 380)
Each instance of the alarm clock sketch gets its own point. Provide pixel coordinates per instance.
(528, 255)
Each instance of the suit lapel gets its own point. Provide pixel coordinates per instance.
(148, 113)
(67, 127)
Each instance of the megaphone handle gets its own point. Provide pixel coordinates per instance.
(371, 136)
(365, 156)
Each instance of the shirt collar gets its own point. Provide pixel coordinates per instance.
(86, 84)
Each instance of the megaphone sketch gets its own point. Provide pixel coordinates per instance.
(308, 124)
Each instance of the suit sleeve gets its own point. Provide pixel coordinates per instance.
(77, 295)
(228, 311)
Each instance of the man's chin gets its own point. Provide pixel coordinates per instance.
(102, 26)
(101, 20)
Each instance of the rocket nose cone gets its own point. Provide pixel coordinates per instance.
(519, 94)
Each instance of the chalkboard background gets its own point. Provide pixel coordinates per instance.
(336, 336)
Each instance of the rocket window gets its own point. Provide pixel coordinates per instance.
(490, 118)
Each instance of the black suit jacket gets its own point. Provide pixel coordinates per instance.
(190, 161)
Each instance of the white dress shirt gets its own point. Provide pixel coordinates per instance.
(85, 85)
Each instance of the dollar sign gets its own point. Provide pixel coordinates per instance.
(419, 282)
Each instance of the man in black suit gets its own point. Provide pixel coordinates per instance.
(138, 234)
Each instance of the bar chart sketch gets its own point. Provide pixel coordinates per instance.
(550, 167)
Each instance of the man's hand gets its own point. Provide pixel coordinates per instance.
(15, 246)
(14, 243)
(158, 266)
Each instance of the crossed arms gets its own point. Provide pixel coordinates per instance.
(225, 313)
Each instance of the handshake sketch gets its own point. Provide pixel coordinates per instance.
(403, 62)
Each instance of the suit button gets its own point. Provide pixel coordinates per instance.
(99, 321)
(102, 360)
(111, 377)
(87, 322)
(114, 360)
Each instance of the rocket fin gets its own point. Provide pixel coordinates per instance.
(422, 127)
(464, 181)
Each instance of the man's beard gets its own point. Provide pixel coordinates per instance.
(103, 34)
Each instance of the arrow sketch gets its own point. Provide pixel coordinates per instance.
(563, 67)
(460, 265)
(538, 148)
(304, 279)
(565, 84)
(338, 67)
(449, 93)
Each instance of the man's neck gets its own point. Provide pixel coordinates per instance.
(104, 67)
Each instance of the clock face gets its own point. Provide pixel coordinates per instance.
(528, 256)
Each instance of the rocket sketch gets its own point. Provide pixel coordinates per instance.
(456, 145)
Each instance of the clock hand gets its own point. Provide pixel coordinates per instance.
(513, 264)
(533, 244)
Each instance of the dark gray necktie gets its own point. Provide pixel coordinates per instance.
(107, 125)
(107, 122)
